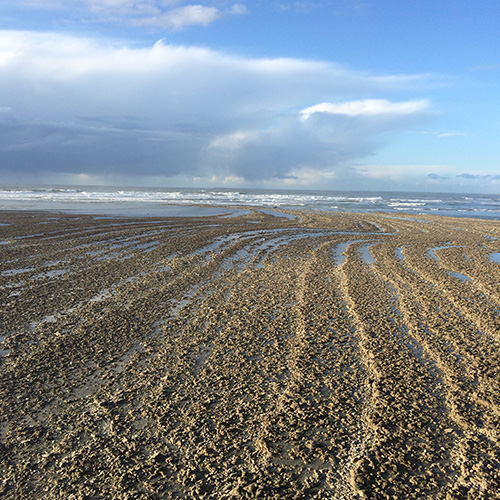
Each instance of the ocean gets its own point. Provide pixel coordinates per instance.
(188, 201)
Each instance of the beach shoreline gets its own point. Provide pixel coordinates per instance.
(162, 202)
(266, 354)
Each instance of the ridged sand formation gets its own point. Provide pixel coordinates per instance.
(324, 356)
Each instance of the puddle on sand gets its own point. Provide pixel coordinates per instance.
(146, 247)
(29, 236)
(114, 256)
(104, 294)
(277, 213)
(3, 352)
(52, 263)
(399, 254)
(365, 253)
(179, 304)
(495, 257)
(431, 251)
(51, 318)
(13, 272)
(338, 251)
(51, 274)
(460, 276)
(217, 243)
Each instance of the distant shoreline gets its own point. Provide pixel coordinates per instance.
(153, 202)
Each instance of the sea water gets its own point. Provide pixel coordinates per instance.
(187, 201)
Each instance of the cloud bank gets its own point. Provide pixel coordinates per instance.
(70, 105)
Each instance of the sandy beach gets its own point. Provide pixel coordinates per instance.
(262, 355)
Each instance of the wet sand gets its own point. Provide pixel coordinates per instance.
(341, 356)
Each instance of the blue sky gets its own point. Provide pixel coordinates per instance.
(344, 95)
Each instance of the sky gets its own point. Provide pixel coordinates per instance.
(387, 95)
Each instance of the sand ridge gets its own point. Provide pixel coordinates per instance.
(341, 356)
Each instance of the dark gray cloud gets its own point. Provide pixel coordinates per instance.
(71, 148)
(473, 176)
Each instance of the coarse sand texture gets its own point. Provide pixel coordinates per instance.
(327, 356)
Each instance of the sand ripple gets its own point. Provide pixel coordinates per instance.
(339, 356)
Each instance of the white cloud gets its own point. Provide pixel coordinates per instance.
(183, 16)
(165, 14)
(452, 134)
(231, 141)
(87, 106)
(107, 5)
(367, 107)
(238, 9)
(230, 180)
